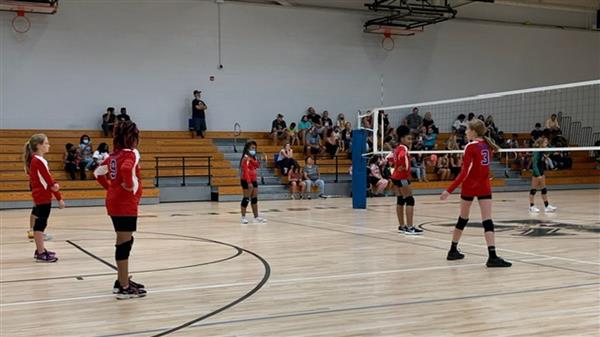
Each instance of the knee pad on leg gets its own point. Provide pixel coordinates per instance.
(400, 201)
(410, 201)
(254, 201)
(532, 191)
(461, 223)
(544, 191)
(40, 224)
(488, 225)
(245, 202)
(122, 250)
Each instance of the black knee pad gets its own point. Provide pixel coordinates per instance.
(400, 201)
(532, 191)
(410, 201)
(461, 223)
(245, 202)
(544, 191)
(40, 224)
(254, 201)
(122, 250)
(488, 225)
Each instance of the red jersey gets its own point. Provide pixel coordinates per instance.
(121, 168)
(401, 160)
(249, 166)
(40, 181)
(475, 171)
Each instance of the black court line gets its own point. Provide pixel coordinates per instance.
(371, 307)
(429, 246)
(110, 265)
(425, 226)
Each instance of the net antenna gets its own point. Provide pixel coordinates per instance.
(20, 22)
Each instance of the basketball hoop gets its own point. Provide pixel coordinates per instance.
(20, 23)
(387, 42)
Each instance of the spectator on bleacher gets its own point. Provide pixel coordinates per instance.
(470, 117)
(460, 125)
(427, 120)
(108, 121)
(347, 137)
(384, 121)
(313, 142)
(537, 132)
(303, 126)
(312, 176)
(292, 132)
(331, 144)
(123, 116)
(100, 155)
(413, 120)
(452, 142)
(71, 160)
(456, 161)
(552, 123)
(199, 114)
(296, 182)
(85, 155)
(443, 167)
(340, 121)
(312, 115)
(337, 133)
(326, 121)
(562, 159)
(417, 168)
(367, 122)
(430, 161)
(285, 159)
(278, 129)
(491, 125)
(377, 182)
(481, 118)
(430, 139)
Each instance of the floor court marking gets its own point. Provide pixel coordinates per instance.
(280, 281)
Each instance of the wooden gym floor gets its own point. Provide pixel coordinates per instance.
(318, 268)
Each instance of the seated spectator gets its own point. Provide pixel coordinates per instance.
(285, 159)
(501, 141)
(430, 162)
(278, 129)
(491, 125)
(312, 176)
(417, 168)
(376, 180)
(552, 123)
(123, 116)
(313, 142)
(341, 121)
(388, 144)
(427, 120)
(470, 117)
(456, 161)
(296, 182)
(481, 118)
(312, 115)
(523, 161)
(337, 133)
(513, 143)
(71, 160)
(305, 124)
(384, 121)
(452, 142)
(537, 132)
(430, 139)
(414, 120)
(108, 121)
(367, 122)
(100, 155)
(326, 121)
(443, 167)
(331, 145)
(347, 137)
(460, 125)
(292, 132)
(85, 155)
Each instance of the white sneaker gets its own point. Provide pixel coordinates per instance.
(244, 220)
(549, 209)
(260, 220)
(534, 209)
(47, 237)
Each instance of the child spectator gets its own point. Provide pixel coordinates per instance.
(341, 121)
(71, 160)
(456, 161)
(443, 167)
(376, 180)
(100, 154)
(296, 182)
(417, 168)
(312, 176)
(292, 132)
(430, 139)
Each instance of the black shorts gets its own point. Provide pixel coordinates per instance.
(245, 184)
(42, 211)
(124, 223)
(479, 197)
(401, 182)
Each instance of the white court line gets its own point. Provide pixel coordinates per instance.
(462, 243)
(281, 281)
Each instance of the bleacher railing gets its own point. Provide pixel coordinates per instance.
(183, 166)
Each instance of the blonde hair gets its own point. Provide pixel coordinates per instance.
(31, 147)
(480, 129)
(539, 142)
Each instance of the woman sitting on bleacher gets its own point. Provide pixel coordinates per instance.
(377, 182)
(285, 159)
(297, 184)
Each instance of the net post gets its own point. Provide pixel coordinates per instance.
(359, 169)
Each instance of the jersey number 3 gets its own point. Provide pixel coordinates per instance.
(485, 157)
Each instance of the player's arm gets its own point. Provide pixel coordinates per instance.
(52, 184)
(468, 161)
(100, 174)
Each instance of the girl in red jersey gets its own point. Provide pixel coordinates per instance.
(401, 180)
(124, 190)
(248, 166)
(474, 177)
(43, 186)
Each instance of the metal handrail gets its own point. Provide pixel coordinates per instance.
(337, 165)
(183, 167)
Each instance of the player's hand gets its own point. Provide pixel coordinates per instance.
(444, 195)
(129, 189)
(61, 204)
(55, 187)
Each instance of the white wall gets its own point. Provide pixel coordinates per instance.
(149, 56)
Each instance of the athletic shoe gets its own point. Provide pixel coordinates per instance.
(413, 231)
(47, 237)
(497, 262)
(455, 255)
(130, 292)
(533, 209)
(51, 253)
(117, 285)
(549, 209)
(244, 220)
(402, 229)
(259, 220)
(45, 257)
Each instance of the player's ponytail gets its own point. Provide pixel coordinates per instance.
(479, 128)
(247, 150)
(126, 136)
(31, 147)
